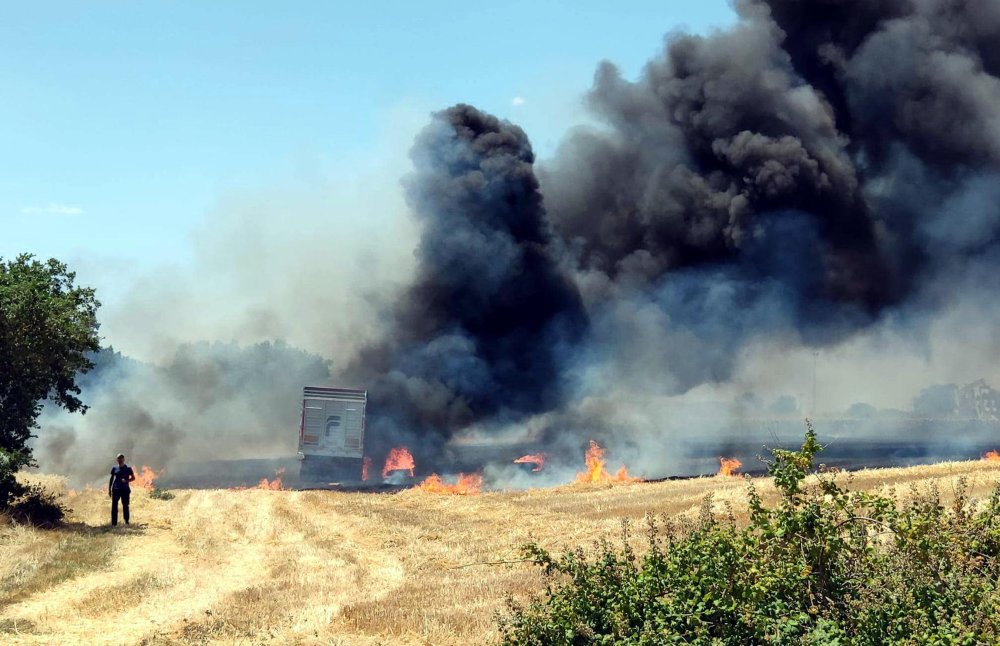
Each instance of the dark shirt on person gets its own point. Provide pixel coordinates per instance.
(120, 477)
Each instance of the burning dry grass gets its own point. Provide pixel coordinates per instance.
(467, 483)
(596, 471)
(256, 565)
(729, 466)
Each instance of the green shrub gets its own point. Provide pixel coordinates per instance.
(161, 494)
(10, 463)
(825, 565)
(36, 506)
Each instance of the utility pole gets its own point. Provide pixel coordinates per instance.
(814, 406)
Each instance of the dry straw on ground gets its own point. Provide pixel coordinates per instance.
(254, 566)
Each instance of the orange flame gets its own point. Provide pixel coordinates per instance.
(467, 484)
(88, 488)
(144, 478)
(366, 464)
(595, 468)
(272, 485)
(537, 459)
(399, 459)
(728, 466)
(992, 456)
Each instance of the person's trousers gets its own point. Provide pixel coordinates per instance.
(115, 497)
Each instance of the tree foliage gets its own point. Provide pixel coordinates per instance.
(825, 565)
(48, 325)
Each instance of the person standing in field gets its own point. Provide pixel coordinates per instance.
(118, 488)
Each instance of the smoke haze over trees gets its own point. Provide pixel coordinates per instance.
(209, 401)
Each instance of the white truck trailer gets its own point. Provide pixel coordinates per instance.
(332, 434)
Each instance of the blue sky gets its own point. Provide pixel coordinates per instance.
(123, 123)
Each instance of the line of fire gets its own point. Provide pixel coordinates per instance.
(332, 452)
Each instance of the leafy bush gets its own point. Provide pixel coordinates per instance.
(161, 494)
(825, 565)
(37, 506)
(10, 463)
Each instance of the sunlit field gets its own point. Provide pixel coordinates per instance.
(317, 567)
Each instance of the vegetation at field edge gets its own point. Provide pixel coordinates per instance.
(824, 564)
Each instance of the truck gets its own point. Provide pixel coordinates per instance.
(332, 434)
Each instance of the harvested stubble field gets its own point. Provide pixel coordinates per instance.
(317, 567)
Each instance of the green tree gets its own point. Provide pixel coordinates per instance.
(48, 325)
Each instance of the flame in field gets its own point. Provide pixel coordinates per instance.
(595, 468)
(468, 483)
(88, 488)
(145, 477)
(272, 485)
(992, 456)
(537, 459)
(366, 464)
(399, 459)
(728, 466)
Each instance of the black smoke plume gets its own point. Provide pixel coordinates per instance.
(821, 171)
(481, 333)
(802, 176)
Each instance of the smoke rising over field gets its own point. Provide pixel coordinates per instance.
(823, 175)
(208, 402)
(480, 332)
(800, 175)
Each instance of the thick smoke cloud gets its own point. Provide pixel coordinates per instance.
(802, 176)
(821, 176)
(717, 136)
(482, 331)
